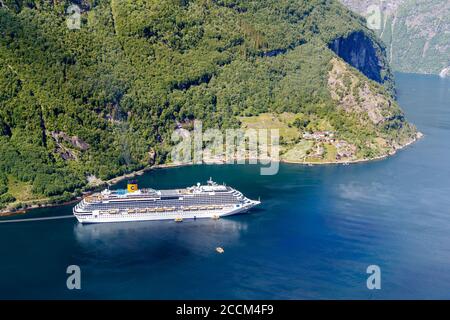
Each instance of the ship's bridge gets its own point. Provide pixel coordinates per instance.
(213, 188)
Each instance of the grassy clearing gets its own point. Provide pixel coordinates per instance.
(22, 191)
(330, 152)
(299, 152)
(282, 122)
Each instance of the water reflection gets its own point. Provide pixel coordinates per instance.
(157, 239)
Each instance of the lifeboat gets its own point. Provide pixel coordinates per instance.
(178, 219)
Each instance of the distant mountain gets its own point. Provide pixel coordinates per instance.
(416, 32)
(91, 93)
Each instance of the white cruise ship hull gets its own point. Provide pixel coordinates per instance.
(157, 216)
(197, 202)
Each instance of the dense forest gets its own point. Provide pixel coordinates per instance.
(104, 99)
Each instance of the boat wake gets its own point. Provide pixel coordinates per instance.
(37, 219)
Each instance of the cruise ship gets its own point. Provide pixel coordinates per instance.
(134, 204)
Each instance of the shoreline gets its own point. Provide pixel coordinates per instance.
(418, 136)
(115, 180)
(90, 189)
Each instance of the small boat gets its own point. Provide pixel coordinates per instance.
(179, 219)
(220, 250)
(216, 217)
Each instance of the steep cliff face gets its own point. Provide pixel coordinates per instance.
(366, 55)
(358, 50)
(416, 32)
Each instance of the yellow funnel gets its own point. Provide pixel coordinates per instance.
(132, 187)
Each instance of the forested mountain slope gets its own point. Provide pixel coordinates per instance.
(103, 100)
(416, 33)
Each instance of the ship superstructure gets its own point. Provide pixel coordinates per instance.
(134, 204)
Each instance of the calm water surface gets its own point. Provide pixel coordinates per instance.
(313, 238)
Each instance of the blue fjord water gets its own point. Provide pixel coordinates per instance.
(313, 238)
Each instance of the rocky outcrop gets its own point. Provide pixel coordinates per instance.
(74, 142)
(355, 95)
(365, 102)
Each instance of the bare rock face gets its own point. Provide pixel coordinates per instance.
(67, 152)
(75, 141)
(416, 32)
(78, 143)
(151, 156)
(355, 95)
